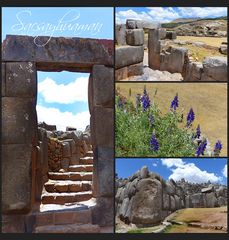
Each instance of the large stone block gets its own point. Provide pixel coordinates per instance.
(211, 200)
(19, 120)
(150, 25)
(123, 208)
(103, 86)
(3, 79)
(103, 212)
(135, 37)
(16, 178)
(51, 53)
(128, 55)
(13, 224)
(135, 69)
(174, 61)
(143, 211)
(171, 35)
(103, 177)
(120, 34)
(214, 69)
(193, 71)
(21, 79)
(197, 200)
(130, 23)
(103, 127)
(121, 73)
(165, 201)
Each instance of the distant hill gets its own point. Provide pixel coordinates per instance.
(180, 21)
(208, 27)
(183, 20)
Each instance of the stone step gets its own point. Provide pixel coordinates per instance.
(81, 168)
(67, 186)
(73, 176)
(70, 228)
(62, 198)
(86, 160)
(64, 217)
(89, 154)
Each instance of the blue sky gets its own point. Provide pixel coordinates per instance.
(62, 96)
(192, 169)
(167, 14)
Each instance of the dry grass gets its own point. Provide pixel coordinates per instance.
(210, 216)
(204, 215)
(199, 53)
(187, 229)
(212, 41)
(208, 100)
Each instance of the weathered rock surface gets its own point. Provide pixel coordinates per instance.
(146, 199)
(75, 52)
(128, 55)
(214, 69)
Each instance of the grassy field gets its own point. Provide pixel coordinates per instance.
(208, 100)
(212, 41)
(209, 216)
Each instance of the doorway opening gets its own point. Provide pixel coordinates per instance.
(64, 173)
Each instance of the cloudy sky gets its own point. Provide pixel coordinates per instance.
(192, 169)
(62, 96)
(167, 14)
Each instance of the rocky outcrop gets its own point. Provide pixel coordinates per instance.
(164, 57)
(146, 198)
(203, 28)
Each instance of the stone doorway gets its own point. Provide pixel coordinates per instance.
(21, 59)
(63, 179)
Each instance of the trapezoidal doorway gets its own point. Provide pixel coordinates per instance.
(20, 138)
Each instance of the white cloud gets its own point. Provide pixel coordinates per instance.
(202, 12)
(154, 164)
(62, 119)
(65, 94)
(172, 162)
(189, 171)
(224, 171)
(121, 16)
(160, 14)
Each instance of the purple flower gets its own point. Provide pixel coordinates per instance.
(218, 148)
(201, 148)
(151, 120)
(145, 100)
(154, 145)
(198, 132)
(190, 117)
(175, 103)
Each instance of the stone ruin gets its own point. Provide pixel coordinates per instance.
(24, 164)
(146, 198)
(60, 149)
(162, 54)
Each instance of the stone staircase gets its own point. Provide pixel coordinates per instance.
(66, 200)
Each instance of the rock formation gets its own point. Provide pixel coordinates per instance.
(146, 198)
(164, 54)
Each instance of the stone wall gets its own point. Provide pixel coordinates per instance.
(164, 57)
(129, 49)
(24, 157)
(66, 148)
(146, 198)
(101, 102)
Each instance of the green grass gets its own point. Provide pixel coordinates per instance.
(209, 102)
